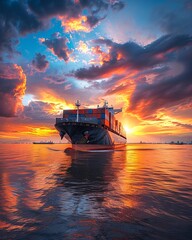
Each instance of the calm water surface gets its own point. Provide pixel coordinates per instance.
(140, 192)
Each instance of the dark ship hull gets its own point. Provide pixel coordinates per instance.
(97, 134)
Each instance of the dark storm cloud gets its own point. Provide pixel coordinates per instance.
(15, 20)
(44, 9)
(167, 43)
(93, 21)
(12, 89)
(73, 9)
(94, 5)
(148, 98)
(130, 55)
(69, 8)
(94, 72)
(40, 63)
(58, 45)
(22, 17)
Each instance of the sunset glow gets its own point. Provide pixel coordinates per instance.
(128, 130)
(137, 57)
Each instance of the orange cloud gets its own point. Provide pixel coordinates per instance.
(75, 24)
(101, 56)
(82, 47)
(49, 96)
(27, 130)
(13, 86)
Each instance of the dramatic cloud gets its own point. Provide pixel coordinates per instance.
(75, 24)
(12, 89)
(72, 8)
(22, 17)
(39, 111)
(15, 19)
(81, 23)
(148, 98)
(71, 12)
(132, 61)
(40, 63)
(58, 46)
(130, 55)
(146, 69)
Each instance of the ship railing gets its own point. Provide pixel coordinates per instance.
(92, 120)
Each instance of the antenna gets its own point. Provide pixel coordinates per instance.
(77, 104)
(105, 104)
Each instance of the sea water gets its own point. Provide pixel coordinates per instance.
(143, 191)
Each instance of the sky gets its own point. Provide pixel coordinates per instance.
(135, 54)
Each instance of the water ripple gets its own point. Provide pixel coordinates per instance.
(139, 192)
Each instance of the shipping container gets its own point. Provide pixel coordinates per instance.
(82, 111)
(71, 111)
(97, 110)
(103, 115)
(90, 111)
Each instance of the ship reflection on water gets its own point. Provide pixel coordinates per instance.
(85, 183)
(137, 192)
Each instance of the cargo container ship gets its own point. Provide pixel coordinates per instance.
(42, 142)
(90, 129)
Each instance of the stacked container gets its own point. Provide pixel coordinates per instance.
(103, 116)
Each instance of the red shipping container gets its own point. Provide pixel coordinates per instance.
(104, 122)
(81, 111)
(96, 110)
(96, 115)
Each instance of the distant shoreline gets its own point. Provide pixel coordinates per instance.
(143, 143)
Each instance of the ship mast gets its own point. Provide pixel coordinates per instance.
(105, 105)
(113, 111)
(77, 104)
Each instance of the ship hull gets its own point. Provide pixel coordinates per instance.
(99, 137)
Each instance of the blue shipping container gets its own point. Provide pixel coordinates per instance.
(90, 110)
